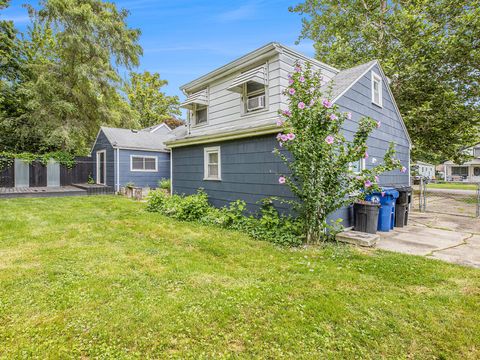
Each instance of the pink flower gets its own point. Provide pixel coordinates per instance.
(333, 117)
(297, 69)
(284, 137)
(368, 183)
(290, 81)
(366, 155)
(327, 103)
(279, 136)
(349, 115)
(291, 136)
(301, 105)
(289, 76)
(279, 122)
(281, 180)
(358, 177)
(287, 112)
(312, 102)
(376, 178)
(301, 79)
(291, 91)
(403, 169)
(378, 124)
(383, 193)
(329, 139)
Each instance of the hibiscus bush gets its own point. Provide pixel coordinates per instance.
(320, 158)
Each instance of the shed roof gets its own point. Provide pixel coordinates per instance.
(135, 139)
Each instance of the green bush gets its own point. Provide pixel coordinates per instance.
(164, 184)
(269, 225)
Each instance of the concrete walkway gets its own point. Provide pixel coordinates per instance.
(450, 238)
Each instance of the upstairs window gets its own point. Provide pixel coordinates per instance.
(212, 163)
(143, 163)
(200, 114)
(376, 89)
(254, 97)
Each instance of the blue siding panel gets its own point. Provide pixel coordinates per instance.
(140, 178)
(102, 143)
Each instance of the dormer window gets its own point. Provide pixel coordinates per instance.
(200, 115)
(252, 86)
(253, 97)
(197, 103)
(376, 89)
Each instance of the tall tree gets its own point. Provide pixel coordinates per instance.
(428, 48)
(146, 97)
(73, 52)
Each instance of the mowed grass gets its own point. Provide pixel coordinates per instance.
(450, 186)
(99, 277)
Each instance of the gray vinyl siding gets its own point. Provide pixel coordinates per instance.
(357, 100)
(140, 178)
(102, 143)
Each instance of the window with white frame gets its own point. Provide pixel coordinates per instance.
(254, 98)
(212, 163)
(357, 166)
(376, 89)
(200, 114)
(143, 163)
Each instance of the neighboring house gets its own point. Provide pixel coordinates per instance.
(125, 156)
(424, 170)
(226, 147)
(468, 171)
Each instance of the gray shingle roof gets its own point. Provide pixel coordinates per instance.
(135, 139)
(345, 78)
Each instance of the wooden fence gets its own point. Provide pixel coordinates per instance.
(79, 174)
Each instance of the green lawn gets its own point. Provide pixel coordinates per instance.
(449, 186)
(98, 277)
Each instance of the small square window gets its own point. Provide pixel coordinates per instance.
(201, 114)
(357, 166)
(212, 159)
(376, 89)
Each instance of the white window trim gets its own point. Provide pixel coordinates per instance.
(362, 166)
(144, 157)
(376, 77)
(206, 152)
(97, 180)
(244, 97)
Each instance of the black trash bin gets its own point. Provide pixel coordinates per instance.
(366, 216)
(402, 205)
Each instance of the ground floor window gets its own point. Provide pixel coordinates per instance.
(476, 171)
(459, 170)
(143, 163)
(212, 162)
(357, 166)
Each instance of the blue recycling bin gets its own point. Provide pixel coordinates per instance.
(386, 216)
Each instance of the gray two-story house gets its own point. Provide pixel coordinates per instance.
(226, 146)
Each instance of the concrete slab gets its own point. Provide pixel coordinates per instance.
(466, 254)
(357, 238)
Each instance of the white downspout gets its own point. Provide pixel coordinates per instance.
(118, 170)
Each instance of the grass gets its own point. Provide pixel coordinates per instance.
(450, 186)
(98, 277)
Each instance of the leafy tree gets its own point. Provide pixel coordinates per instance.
(319, 156)
(428, 48)
(146, 98)
(73, 52)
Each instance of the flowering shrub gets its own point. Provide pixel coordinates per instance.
(320, 168)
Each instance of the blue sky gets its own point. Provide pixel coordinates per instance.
(184, 39)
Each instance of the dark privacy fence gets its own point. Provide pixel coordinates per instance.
(79, 174)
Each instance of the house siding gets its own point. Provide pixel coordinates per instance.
(250, 170)
(102, 143)
(357, 100)
(140, 178)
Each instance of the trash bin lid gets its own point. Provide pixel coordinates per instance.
(404, 188)
(391, 192)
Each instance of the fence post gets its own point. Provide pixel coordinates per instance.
(478, 199)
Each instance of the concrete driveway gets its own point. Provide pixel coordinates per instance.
(451, 238)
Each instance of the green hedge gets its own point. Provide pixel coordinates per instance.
(268, 225)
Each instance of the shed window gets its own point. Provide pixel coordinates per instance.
(143, 163)
(376, 89)
(212, 160)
